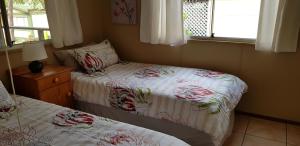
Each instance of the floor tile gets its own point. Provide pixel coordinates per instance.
(257, 141)
(293, 135)
(267, 129)
(240, 123)
(235, 139)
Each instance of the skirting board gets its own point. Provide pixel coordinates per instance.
(268, 117)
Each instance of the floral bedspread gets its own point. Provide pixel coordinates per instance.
(197, 98)
(39, 127)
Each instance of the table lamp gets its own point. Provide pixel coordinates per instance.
(35, 52)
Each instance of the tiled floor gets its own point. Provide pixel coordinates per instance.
(251, 131)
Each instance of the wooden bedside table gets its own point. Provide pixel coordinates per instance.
(52, 85)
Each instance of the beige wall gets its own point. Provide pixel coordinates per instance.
(91, 21)
(273, 79)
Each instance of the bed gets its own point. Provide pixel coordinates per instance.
(195, 105)
(40, 128)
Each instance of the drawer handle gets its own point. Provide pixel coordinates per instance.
(56, 80)
(69, 94)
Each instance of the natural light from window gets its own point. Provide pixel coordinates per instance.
(221, 18)
(236, 18)
(27, 20)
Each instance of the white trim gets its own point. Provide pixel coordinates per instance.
(210, 19)
(224, 39)
(29, 28)
(20, 46)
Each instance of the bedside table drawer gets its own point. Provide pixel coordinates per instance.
(60, 95)
(53, 81)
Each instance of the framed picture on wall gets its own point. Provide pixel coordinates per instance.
(124, 11)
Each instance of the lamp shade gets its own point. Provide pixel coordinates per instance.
(34, 51)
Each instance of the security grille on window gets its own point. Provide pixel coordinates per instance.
(221, 18)
(27, 20)
(196, 17)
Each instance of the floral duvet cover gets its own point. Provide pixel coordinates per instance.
(197, 98)
(44, 124)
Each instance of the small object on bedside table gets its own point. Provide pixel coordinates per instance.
(34, 52)
(52, 85)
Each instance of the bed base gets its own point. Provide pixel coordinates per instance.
(187, 134)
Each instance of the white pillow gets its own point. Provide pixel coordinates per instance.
(7, 104)
(95, 58)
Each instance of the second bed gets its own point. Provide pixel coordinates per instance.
(185, 102)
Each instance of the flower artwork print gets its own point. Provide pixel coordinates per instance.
(124, 11)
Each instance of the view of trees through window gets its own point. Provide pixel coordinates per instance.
(27, 20)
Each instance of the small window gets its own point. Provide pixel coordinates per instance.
(27, 20)
(236, 19)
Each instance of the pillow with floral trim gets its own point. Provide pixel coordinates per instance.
(95, 58)
(7, 104)
(65, 57)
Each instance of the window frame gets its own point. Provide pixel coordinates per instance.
(40, 30)
(20, 46)
(3, 34)
(224, 39)
(219, 39)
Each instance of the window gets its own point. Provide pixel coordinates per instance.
(27, 20)
(221, 18)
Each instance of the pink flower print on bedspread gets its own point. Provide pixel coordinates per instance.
(125, 137)
(73, 118)
(153, 72)
(128, 99)
(202, 98)
(7, 109)
(147, 73)
(192, 93)
(122, 98)
(118, 139)
(208, 73)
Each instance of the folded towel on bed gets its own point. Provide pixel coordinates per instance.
(73, 118)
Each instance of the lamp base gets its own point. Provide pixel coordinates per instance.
(36, 66)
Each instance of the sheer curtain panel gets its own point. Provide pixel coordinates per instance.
(279, 25)
(162, 22)
(64, 22)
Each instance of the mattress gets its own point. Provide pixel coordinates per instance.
(197, 98)
(37, 128)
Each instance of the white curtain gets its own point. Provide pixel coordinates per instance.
(162, 22)
(64, 22)
(279, 26)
